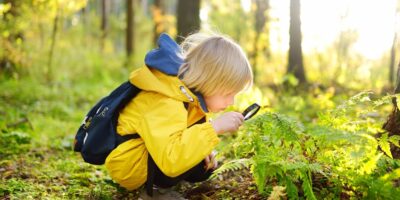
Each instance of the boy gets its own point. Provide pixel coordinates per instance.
(179, 86)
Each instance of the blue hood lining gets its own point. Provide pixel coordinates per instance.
(168, 58)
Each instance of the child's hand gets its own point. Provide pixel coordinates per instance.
(228, 122)
(210, 162)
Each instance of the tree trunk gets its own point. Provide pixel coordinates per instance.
(260, 20)
(295, 65)
(83, 14)
(188, 18)
(105, 5)
(129, 27)
(392, 125)
(49, 72)
(392, 61)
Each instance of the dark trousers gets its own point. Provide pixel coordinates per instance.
(195, 174)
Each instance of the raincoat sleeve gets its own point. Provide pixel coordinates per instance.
(174, 147)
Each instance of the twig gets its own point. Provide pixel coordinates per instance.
(19, 122)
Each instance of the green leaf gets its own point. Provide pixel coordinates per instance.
(384, 144)
(232, 165)
(307, 187)
(291, 189)
(394, 139)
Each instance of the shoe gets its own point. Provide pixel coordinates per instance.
(161, 194)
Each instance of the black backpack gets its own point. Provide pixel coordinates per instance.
(97, 136)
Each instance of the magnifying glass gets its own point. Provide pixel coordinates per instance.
(251, 111)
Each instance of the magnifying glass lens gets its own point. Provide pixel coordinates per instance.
(251, 111)
(249, 114)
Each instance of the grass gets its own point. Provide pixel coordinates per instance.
(38, 121)
(38, 127)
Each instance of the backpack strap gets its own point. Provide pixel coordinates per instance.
(124, 138)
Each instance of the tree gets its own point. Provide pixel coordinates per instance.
(392, 125)
(188, 18)
(129, 27)
(261, 19)
(392, 60)
(295, 65)
(54, 32)
(393, 50)
(105, 5)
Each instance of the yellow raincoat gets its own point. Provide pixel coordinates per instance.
(158, 115)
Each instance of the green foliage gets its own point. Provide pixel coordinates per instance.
(23, 23)
(13, 143)
(307, 185)
(384, 144)
(269, 160)
(233, 165)
(14, 186)
(338, 149)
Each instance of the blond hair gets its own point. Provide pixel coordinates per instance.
(214, 64)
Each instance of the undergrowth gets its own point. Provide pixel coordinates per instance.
(335, 156)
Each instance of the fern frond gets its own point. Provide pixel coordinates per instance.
(232, 165)
(307, 186)
(394, 139)
(384, 145)
(298, 165)
(291, 189)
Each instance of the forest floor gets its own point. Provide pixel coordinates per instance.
(38, 122)
(46, 173)
(37, 127)
(231, 185)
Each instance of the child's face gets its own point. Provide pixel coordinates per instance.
(219, 102)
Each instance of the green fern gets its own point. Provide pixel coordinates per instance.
(291, 188)
(233, 165)
(339, 145)
(394, 139)
(307, 185)
(384, 145)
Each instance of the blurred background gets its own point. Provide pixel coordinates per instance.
(343, 43)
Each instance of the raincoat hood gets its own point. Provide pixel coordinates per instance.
(160, 75)
(167, 58)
